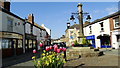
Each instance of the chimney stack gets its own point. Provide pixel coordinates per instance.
(5, 4)
(31, 18)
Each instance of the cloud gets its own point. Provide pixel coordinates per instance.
(97, 11)
(111, 10)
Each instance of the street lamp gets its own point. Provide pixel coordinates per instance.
(88, 18)
(80, 15)
(72, 18)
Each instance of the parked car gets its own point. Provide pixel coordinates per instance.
(60, 44)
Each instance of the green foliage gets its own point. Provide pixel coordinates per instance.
(76, 42)
(84, 41)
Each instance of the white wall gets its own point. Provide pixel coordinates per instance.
(96, 28)
(27, 28)
(115, 44)
(17, 28)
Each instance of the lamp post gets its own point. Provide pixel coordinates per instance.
(88, 18)
(80, 15)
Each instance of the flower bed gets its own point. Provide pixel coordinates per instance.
(52, 57)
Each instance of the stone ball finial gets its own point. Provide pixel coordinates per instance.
(79, 4)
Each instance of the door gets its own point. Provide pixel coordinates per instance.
(118, 40)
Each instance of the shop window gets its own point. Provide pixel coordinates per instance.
(30, 43)
(34, 44)
(19, 43)
(116, 22)
(105, 40)
(6, 43)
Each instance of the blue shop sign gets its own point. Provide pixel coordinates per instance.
(90, 37)
(71, 37)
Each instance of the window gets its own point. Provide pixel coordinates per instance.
(90, 29)
(6, 43)
(105, 40)
(118, 38)
(40, 34)
(71, 32)
(102, 27)
(75, 35)
(9, 25)
(116, 20)
(19, 43)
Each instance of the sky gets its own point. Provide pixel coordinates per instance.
(55, 15)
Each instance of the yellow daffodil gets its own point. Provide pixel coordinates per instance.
(38, 61)
(47, 53)
(43, 58)
(33, 57)
(47, 63)
(50, 52)
(43, 54)
(62, 54)
(44, 51)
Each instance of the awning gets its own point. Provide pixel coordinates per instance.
(101, 36)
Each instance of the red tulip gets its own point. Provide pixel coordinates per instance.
(58, 50)
(40, 44)
(55, 48)
(50, 47)
(64, 49)
(47, 48)
(72, 44)
(34, 51)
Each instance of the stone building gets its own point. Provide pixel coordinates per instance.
(72, 34)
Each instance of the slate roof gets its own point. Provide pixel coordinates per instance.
(77, 26)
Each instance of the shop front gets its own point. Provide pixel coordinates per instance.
(91, 40)
(104, 41)
(116, 39)
(31, 43)
(11, 44)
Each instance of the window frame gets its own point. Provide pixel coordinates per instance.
(114, 20)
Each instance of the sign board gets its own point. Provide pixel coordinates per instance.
(90, 37)
(10, 35)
